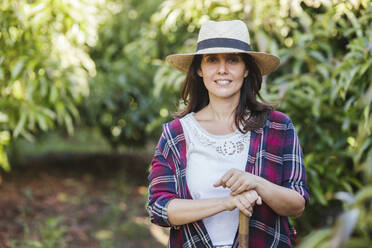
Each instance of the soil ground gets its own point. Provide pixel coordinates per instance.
(67, 200)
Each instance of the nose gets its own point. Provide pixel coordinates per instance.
(222, 69)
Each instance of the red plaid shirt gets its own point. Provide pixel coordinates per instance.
(274, 154)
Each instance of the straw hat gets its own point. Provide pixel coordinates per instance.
(224, 37)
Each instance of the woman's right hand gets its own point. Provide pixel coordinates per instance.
(244, 202)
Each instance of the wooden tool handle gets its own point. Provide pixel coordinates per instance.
(243, 230)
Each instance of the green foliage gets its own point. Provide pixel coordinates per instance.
(353, 227)
(44, 65)
(48, 234)
(127, 55)
(327, 96)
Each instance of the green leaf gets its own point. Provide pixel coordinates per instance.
(365, 67)
(53, 94)
(317, 56)
(31, 120)
(17, 68)
(4, 163)
(315, 239)
(48, 112)
(42, 122)
(69, 125)
(317, 192)
(22, 120)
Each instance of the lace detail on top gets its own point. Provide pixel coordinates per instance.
(225, 145)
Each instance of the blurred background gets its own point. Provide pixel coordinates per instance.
(84, 90)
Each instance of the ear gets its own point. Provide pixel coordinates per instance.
(246, 73)
(199, 72)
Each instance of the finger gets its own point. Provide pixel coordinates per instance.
(226, 177)
(240, 190)
(246, 181)
(243, 209)
(259, 200)
(249, 207)
(237, 184)
(253, 193)
(234, 178)
(250, 210)
(254, 197)
(243, 200)
(249, 197)
(218, 183)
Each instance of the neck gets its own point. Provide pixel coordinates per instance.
(222, 109)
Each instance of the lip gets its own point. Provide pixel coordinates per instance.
(223, 79)
(223, 82)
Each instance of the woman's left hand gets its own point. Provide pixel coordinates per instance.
(238, 181)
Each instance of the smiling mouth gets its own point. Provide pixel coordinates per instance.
(222, 82)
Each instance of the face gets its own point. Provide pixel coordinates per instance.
(223, 74)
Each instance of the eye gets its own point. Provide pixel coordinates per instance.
(211, 58)
(234, 59)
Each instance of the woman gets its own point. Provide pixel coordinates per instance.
(226, 152)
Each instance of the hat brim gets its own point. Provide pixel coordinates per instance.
(265, 62)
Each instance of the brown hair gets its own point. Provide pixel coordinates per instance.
(195, 95)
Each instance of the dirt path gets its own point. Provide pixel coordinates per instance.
(77, 201)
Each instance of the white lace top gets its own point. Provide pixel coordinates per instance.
(209, 157)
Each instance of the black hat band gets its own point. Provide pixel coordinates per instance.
(223, 42)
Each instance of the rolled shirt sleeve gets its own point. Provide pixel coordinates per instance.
(294, 176)
(162, 188)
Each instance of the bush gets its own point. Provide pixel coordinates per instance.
(122, 102)
(44, 65)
